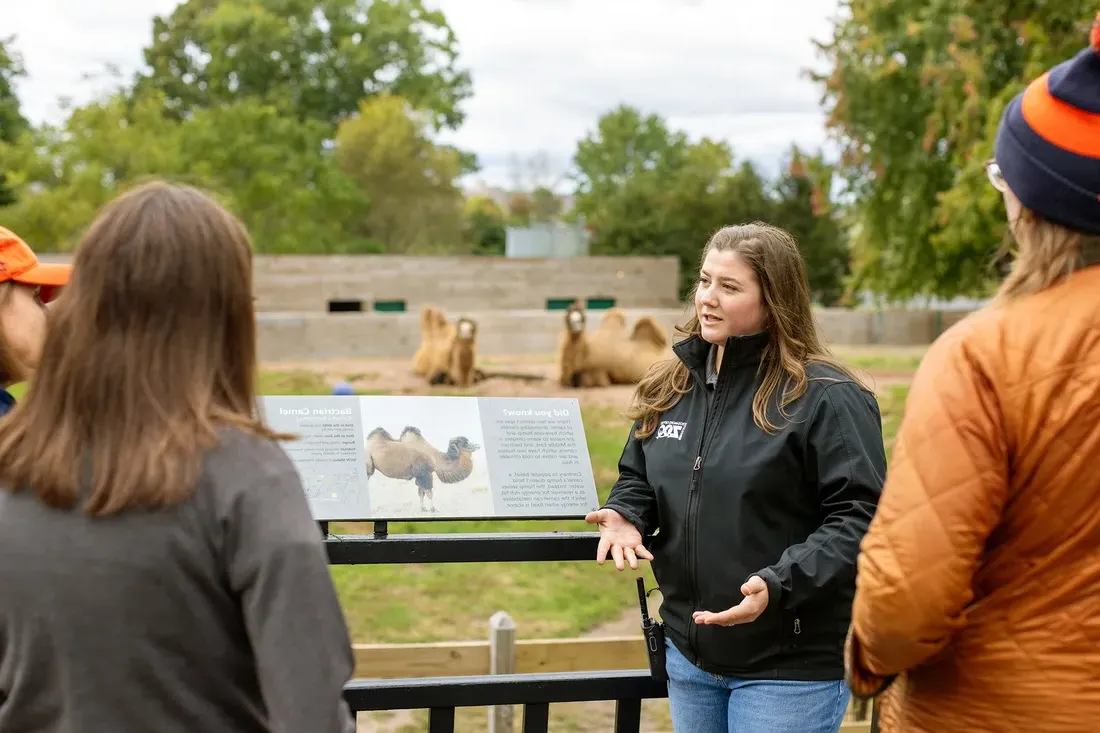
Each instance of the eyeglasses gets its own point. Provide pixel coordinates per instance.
(995, 176)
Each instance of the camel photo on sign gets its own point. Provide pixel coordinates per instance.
(425, 456)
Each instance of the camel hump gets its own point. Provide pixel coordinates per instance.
(379, 431)
(411, 429)
(427, 315)
(646, 329)
(614, 318)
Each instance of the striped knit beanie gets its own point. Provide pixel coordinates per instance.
(1048, 143)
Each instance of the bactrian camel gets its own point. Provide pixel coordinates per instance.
(412, 458)
(573, 347)
(609, 355)
(448, 352)
(460, 369)
(436, 334)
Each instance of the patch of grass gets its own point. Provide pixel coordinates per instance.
(297, 382)
(881, 358)
(395, 604)
(892, 405)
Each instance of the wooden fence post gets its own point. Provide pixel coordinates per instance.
(502, 660)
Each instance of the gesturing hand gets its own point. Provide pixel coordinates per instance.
(620, 536)
(749, 609)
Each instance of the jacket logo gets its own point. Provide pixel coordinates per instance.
(669, 429)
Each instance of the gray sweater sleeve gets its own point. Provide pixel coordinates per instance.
(276, 565)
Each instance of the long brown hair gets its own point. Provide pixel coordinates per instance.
(1047, 253)
(773, 256)
(152, 349)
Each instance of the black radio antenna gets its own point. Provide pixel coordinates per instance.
(642, 602)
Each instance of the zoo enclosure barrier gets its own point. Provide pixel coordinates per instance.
(535, 692)
(501, 688)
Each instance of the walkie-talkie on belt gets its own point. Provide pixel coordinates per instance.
(654, 632)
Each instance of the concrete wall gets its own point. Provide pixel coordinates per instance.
(308, 336)
(307, 283)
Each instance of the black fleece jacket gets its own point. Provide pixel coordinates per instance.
(728, 501)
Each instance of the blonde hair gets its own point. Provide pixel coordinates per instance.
(1047, 253)
(152, 349)
(773, 256)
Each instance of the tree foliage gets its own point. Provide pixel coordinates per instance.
(312, 59)
(647, 189)
(12, 122)
(416, 206)
(914, 93)
(269, 169)
(485, 231)
(248, 101)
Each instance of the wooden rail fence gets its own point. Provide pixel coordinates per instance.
(503, 653)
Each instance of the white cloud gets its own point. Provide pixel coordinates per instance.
(543, 70)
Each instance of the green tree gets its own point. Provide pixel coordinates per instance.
(415, 201)
(276, 174)
(521, 209)
(647, 190)
(268, 169)
(485, 228)
(624, 145)
(63, 174)
(914, 95)
(804, 209)
(12, 122)
(545, 205)
(312, 59)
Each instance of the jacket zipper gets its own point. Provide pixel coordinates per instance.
(689, 535)
(690, 528)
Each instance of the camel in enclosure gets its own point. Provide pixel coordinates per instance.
(573, 348)
(448, 352)
(460, 369)
(609, 355)
(412, 458)
(435, 335)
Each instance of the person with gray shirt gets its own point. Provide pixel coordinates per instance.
(160, 569)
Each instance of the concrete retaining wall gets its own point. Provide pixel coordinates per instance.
(308, 336)
(308, 283)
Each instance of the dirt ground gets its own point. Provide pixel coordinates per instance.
(527, 375)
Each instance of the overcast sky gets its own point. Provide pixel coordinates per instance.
(543, 70)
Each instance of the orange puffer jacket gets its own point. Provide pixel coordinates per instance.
(979, 578)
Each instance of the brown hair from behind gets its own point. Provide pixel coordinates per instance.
(152, 349)
(1048, 252)
(780, 270)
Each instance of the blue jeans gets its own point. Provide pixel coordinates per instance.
(702, 702)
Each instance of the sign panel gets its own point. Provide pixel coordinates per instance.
(382, 457)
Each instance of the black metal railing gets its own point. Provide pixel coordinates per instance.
(534, 692)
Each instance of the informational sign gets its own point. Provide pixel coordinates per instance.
(373, 458)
